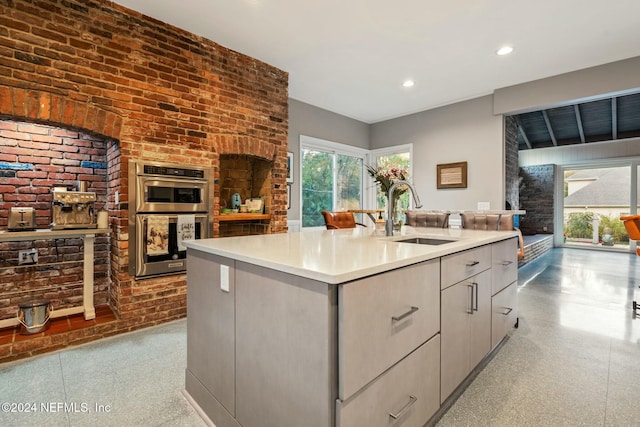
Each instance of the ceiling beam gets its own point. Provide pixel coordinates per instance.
(576, 109)
(614, 118)
(548, 123)
(522, 132)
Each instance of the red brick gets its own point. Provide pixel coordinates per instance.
(6, 101)
(44, 110)
(68, 111)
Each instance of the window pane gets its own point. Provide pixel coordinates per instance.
(399, 160)
(317, 186)
(594, 200)
(349, 182)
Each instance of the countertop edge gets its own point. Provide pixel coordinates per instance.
(418, 253)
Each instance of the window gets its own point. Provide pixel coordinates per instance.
(398, 156)
(594, 199)
(332, 178)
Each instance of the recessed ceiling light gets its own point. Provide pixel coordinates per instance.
(408, 83)
(505, 50)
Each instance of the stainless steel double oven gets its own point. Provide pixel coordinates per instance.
(167, 204)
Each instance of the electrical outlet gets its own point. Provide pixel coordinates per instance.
(29, 256)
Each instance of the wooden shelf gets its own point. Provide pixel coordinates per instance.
(243, 217)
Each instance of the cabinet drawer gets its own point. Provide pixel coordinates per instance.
(504, 264)
(462, 265)
(409, 391)
(383, 318)
(504, 312)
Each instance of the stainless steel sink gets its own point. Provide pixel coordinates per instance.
(425, 241)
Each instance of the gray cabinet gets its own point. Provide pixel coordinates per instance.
(504, 312)
(271, 349)
(286, 349)
(211, 319)
(465, 328)
(383, 318)
(461, 265)
(282, 350)
(504, 289)
(504, 264)
(407, 394)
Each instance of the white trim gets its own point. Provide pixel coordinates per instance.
(325, 145)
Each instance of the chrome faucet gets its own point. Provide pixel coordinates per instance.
(388, 226)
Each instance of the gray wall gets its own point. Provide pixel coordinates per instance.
(465, 131)
(305, 119)
(472, 131)
(618, 77)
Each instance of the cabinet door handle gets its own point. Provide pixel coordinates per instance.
(402, 316)
(405, 408)
(470, 299)
(506, 263)
(506, 313)
(475, 288)
(472, 263)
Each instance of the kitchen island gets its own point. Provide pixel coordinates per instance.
(342, 327)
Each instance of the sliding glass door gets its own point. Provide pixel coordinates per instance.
(594, 200)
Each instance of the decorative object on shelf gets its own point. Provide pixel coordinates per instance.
(236, 201)
(452, 175)
(385, 175)
(289, 167)
(255, 205)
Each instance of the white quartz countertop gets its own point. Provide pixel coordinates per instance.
(339, 256)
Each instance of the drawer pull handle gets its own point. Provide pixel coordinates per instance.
(472, 263)
(506, 263)
(412, 400)
(402, 316)
(506, 313)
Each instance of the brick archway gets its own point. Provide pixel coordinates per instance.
(240, 144)
(60, 110)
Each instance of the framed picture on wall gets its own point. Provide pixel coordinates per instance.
(452, 175)
(289, 167)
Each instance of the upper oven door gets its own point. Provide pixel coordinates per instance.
(159, 194)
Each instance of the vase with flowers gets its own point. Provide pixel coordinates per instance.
(385, 175)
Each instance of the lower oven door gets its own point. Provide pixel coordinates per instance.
(158, 248)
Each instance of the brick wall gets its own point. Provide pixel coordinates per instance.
(34, 159)
(512, 180)
(160, 93)
(536, 197)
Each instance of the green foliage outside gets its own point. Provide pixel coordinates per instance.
(617, 227)
(318, 185)
(403, 161)
(580, 226)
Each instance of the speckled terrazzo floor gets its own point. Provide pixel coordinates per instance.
(134, 379)
(574, 361)
(575, 358)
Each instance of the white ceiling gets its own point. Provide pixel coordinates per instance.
(352, 56)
